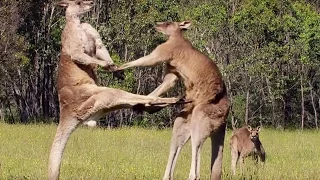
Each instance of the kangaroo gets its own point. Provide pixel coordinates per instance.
(245, 142)
(206, 115)
(80, 98)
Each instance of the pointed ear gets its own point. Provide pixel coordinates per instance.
(249, 128)
(62, 4)
(185, 24)
(259, 128)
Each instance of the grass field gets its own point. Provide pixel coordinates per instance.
(135, 153)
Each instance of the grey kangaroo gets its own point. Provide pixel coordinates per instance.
(245, 142)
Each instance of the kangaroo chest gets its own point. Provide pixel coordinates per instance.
(87, 42)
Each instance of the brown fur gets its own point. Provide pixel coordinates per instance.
(206, 116)
(245, 142)
(80, 98)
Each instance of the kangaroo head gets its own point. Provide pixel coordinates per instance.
(254, 132)
(75, 7)
(170, 28)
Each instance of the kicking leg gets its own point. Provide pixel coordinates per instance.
(128, 100)
(65, 128)
(180, 135)
(109, 99)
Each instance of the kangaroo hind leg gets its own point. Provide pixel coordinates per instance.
(109, 99)
(66, 126)
(180, 135)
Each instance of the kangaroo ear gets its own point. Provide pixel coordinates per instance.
(249, 128)
(62, 3)
(185, 24)
(259, 128)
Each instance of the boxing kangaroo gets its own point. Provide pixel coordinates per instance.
(80, 98)
(206, 115)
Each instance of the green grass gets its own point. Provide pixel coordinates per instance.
(135, 153)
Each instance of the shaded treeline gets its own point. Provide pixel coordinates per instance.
(268, 51)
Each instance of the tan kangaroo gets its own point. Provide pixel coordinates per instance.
(80, 98)
(245, 142)
(206, 115)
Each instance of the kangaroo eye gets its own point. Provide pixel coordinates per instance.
(78, 3)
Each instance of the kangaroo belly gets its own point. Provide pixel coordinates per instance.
(202, 87)
(72, 74)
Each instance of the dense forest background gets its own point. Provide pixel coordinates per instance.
(267, 50)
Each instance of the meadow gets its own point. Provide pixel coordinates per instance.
(137, 153)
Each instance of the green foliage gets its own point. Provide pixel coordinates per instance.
(238, 106)
(264, 47)
(208, 19)
(56, 31)
(275, 38)
(309, 37)
(24, 60)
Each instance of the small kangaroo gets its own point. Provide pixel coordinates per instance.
(206, 115)
(245, 142)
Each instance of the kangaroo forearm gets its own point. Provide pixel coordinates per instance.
(103, 54)
(148, 60)
(85, 59)
(168, 82)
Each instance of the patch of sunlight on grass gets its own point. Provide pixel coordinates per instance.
(136, 153)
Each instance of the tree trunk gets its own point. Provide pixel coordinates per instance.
(233, 123)
(247, 104)
(45, 91)
(260, 112)
(2, 112)
(272, 102)
(314, 106)
(302, 99)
